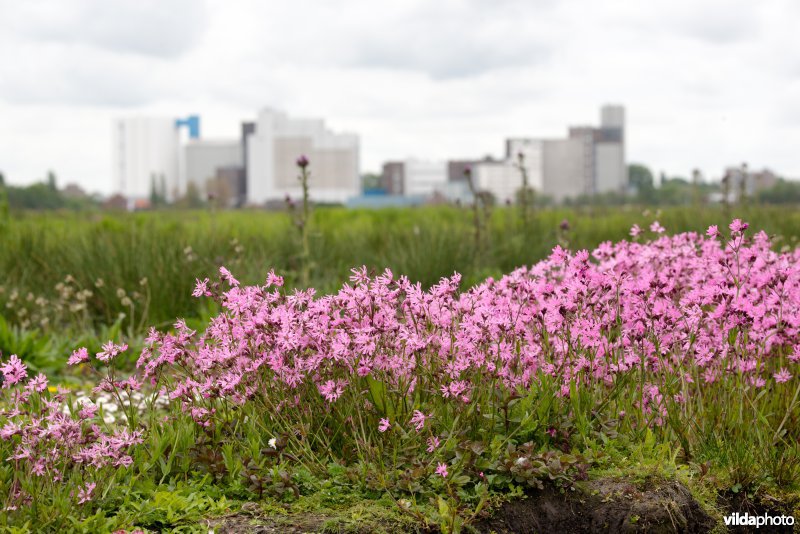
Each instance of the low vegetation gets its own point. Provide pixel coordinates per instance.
(661, 355)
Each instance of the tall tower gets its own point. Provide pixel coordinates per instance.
(610, 169)
(612, 116)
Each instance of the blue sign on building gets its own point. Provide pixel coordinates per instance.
(192, 123)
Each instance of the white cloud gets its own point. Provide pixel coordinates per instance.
(706, 83)
(157, 28)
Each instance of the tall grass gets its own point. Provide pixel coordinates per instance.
(154, 257)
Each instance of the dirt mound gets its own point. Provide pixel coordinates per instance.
(603, 506)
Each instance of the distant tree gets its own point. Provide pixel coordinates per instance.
(162, 189)
(158, 190)
(2, 180)
(697, 180)
(674, 191)
(743, 180)
(35, 197)
(192, 199)
(640, 178)
(51, 181)
(4, 216)
(525, 195)
(154, 197)
(783, 192)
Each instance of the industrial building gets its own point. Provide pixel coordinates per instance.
(414, 177)
(257, 168)
(145, 155)
(204, 160)
(272, 151)
(588, 161)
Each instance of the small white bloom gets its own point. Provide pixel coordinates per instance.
(521, 460)
(272, 442)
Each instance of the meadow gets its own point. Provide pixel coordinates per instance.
(208, 364)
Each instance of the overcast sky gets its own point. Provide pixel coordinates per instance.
(706, 83)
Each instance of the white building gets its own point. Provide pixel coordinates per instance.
(565, 168)
(611, 173)
(272, 152)
(144, 152)
(589, 161)
(424, 178)
(203, 158)
(416, 178)
(503, 179)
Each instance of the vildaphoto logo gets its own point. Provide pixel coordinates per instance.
(746, 520)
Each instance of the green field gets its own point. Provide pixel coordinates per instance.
(388, 452)
(168, 250)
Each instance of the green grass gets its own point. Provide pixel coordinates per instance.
(147, 255)
(148, 262)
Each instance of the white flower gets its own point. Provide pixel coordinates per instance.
(109, 407)
(272, 442)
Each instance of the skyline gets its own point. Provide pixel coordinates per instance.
(706, 85)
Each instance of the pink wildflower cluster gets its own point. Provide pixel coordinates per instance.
(686, 305)
(47, 442)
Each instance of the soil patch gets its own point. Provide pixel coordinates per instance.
(607, 505)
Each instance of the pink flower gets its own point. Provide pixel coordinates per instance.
(657, 228)
(737, 226)
(713, 232)
(228, 277)
(559, 255)
(201, 288)
(39, 467)
(332, 389)
(757, 381)
(124, 461)
(384, 425)
(782, 376)
(85, 494)
(14, 371)
(38, 384)
(110, 351)
(88, 411)
(441, 469)
(418, 420)
(79, 356)
(274, 280)
(635, 230)
(433, 443)
(9, 430)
